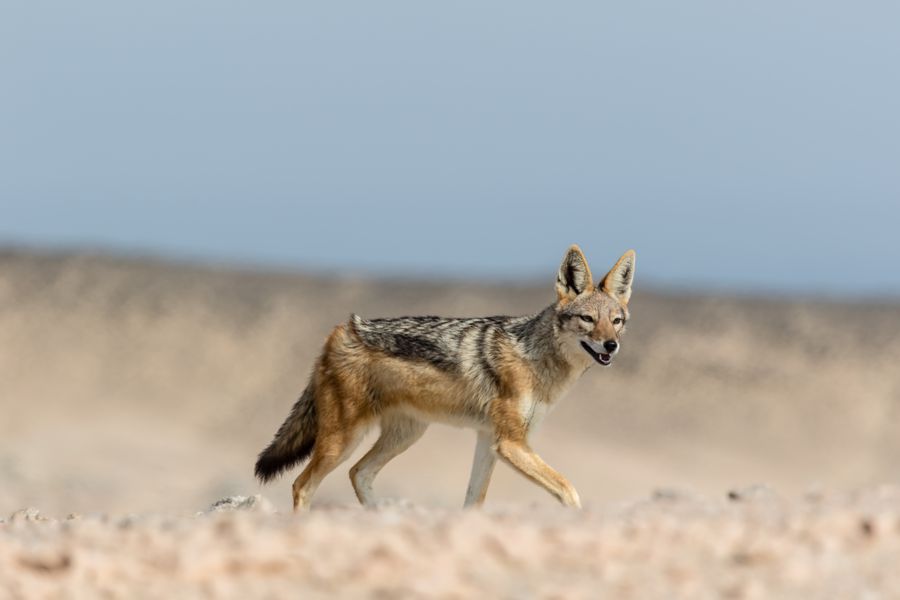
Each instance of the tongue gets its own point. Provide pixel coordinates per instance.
(604, 356)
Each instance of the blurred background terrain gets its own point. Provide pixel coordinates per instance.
(134, 385)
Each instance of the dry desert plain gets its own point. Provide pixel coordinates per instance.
(741, 446)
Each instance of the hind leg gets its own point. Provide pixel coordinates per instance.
(398, 433)
(330, 451)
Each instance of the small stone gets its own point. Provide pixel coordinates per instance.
(867, 527)
(667, 495)
(757, 492)
(249, 503)
(26, 514)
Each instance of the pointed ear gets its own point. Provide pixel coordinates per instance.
(574, 276)
(617, 282)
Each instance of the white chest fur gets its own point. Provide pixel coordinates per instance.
(533, 412)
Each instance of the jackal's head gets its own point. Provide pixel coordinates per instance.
(590, 318)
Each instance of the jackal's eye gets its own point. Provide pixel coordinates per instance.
(618, 321)
(586, 318)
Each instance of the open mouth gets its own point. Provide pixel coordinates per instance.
(603, 359)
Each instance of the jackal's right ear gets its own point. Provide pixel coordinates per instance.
(574, 276)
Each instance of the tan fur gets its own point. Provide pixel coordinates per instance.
(356, 386)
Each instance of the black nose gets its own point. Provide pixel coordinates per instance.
(611, 345)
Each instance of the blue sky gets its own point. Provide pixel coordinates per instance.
(746, 146)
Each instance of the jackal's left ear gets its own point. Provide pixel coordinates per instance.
(617, 282)
(574, 276)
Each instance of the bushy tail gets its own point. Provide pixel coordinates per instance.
(293, 441)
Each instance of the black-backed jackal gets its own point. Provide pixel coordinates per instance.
(498, 375)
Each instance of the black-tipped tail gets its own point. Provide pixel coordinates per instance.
(293, 442)
(271, 463)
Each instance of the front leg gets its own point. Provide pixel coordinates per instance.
(512, 416)
(517, 453)
(482, 468)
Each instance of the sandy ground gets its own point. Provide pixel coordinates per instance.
(138, 387)
(751, 545)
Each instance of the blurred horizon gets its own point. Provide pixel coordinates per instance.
(536, 279)
(740, 147)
